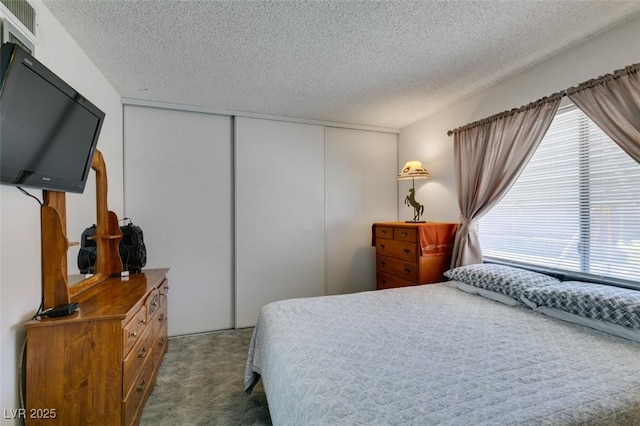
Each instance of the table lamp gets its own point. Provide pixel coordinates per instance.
(414, 170)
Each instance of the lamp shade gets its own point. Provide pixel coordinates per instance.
(413, 170)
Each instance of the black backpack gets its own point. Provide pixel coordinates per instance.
(132, 250)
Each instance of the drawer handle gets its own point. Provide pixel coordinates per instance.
(383, 231)
(407, 271)
(406, 251)
(404, 234)
(383, 263)
(142, 352)
(142, 321)
(384, 281)
(133, 335)
(141, 386)
(161, 317)
(381, 246)
(161, 341)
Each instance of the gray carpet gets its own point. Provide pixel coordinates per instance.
(200, 382)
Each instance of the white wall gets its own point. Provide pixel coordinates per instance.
(360, 189)
(20, 282)
(427, 139)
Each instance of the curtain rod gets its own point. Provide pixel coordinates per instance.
(552, 98)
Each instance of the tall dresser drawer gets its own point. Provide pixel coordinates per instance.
(405, 234)
(404, 270)
(398, 249)
(384, 281)
(384, 232)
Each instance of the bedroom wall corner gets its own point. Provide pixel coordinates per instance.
(424, 141)
(360, 189)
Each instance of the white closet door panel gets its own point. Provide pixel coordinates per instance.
(178, 188)
(279, 179)
(361, 188)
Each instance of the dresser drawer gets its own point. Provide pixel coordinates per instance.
(161, 344)
(405, 234)
(152, 302)
(136, 359)
(133, 403)
(384, 232)
(404, 270)
(160, 319)
(384, 281)
(132, 331)
(163, 290)
(401, 250)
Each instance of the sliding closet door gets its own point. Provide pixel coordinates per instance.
(178, 183)
(361, 188)
(279, 181)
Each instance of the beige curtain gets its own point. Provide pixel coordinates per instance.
(489, 156)
(613, 103)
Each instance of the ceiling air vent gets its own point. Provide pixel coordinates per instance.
(24, 12)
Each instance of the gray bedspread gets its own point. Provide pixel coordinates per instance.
(431, 355)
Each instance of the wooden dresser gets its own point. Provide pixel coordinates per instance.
(412, 253)
(99, 365)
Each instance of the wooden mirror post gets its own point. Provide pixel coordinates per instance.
(53, 219)
(54, 250)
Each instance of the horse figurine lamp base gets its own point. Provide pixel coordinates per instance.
(418, 209)
(414, 170)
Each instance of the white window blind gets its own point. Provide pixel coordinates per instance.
(575, 207)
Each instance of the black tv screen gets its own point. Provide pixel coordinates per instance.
(48, 131)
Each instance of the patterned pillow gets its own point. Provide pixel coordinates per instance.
(595, 301)
(605, 326)
(500, 278)
(488, 294)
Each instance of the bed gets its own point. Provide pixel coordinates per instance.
(483, 349)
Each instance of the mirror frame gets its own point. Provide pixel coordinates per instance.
(53, 220)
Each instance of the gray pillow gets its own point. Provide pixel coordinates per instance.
(605, 326)
(595, 301)
(488, 294)
(503, 279)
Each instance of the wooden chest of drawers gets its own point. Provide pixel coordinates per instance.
(412, 253)
(98, 366)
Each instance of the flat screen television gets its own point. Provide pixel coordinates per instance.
(48, 131)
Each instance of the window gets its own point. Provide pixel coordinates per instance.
(575, 207)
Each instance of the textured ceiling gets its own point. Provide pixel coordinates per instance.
(378, 63)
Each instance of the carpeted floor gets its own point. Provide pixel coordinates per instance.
(200, 382)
